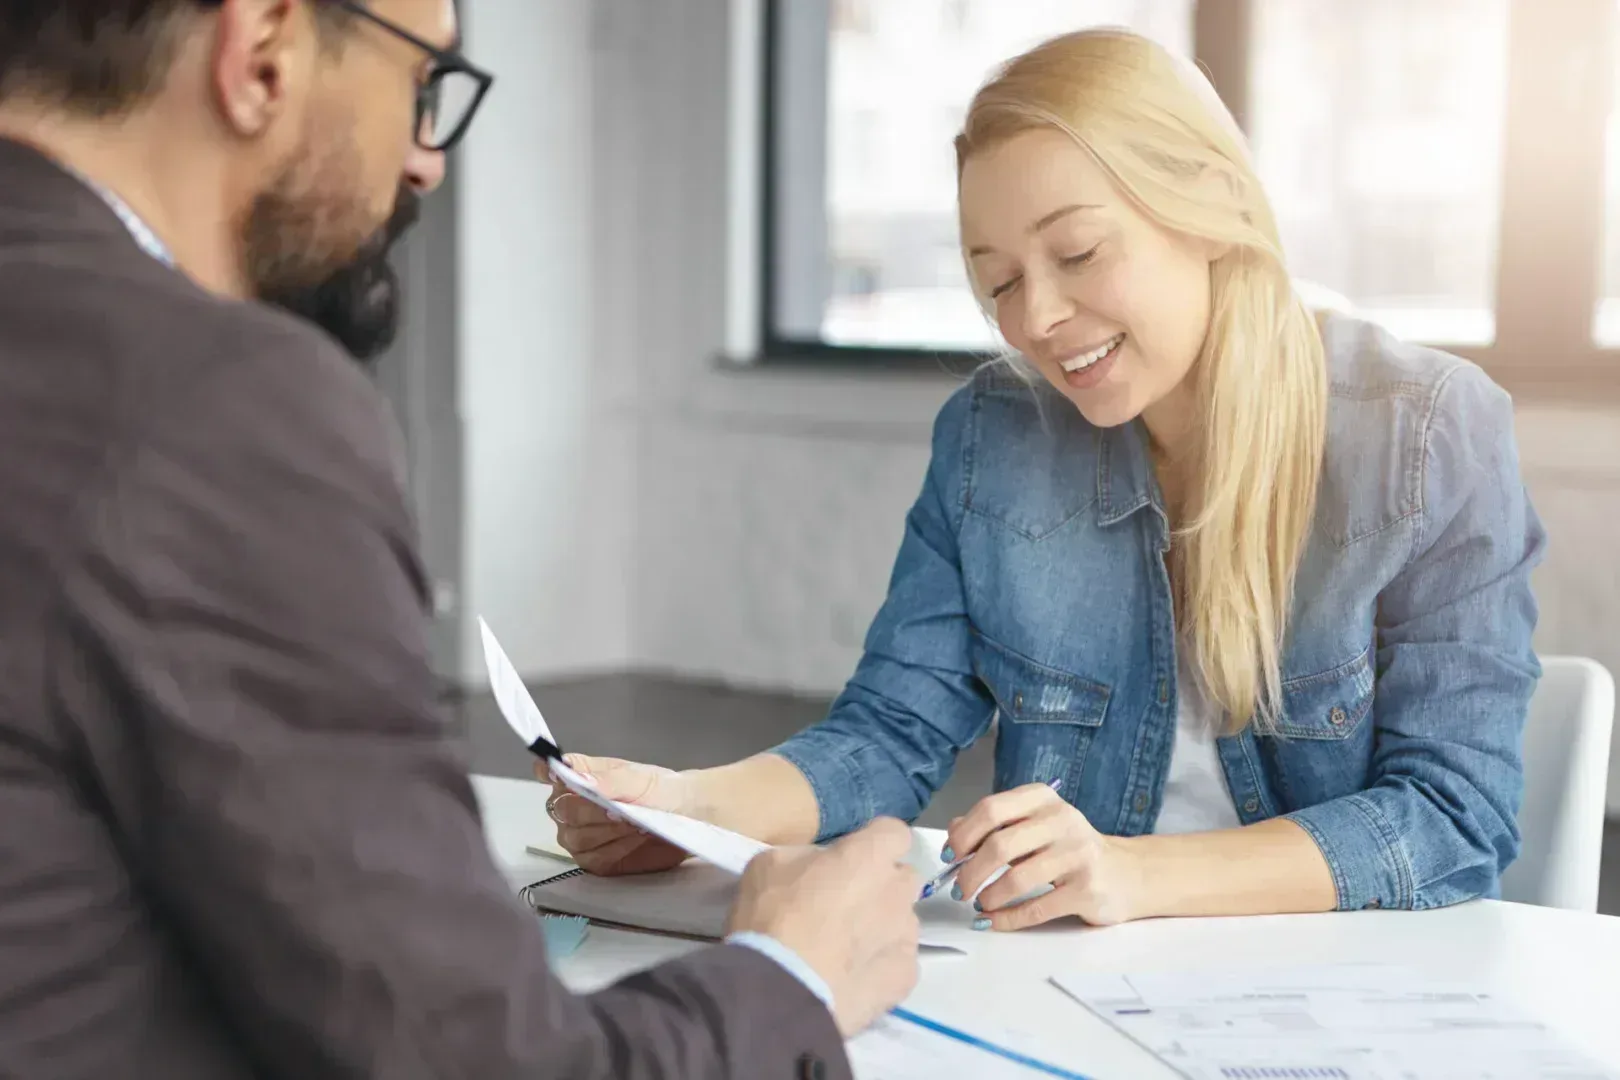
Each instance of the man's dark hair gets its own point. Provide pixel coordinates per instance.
(101, 57)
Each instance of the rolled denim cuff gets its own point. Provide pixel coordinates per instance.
(842, 787)
(1365, 854)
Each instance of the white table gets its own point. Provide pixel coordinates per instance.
(1562, 967)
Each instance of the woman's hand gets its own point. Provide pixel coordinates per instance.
(605, 844)
(1041, 840)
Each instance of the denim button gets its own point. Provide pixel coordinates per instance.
(1141, 804)
(1018, 701)
(1251, 806)
(1164, 691)
(1337, 716)
(1373, 903)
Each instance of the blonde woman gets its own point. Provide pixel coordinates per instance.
(1249, 591)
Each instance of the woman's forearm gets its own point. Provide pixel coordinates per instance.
(1269, 868)
(764, 796)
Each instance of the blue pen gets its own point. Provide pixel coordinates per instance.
(939, 880)
(989, 1047)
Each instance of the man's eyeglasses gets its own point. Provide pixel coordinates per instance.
(447, 100)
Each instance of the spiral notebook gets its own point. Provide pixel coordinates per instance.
(693, 900)
(690, 901)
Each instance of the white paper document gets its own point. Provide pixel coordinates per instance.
(895, 1049)
(1344, 1022)
(511, 696)
(726, 849)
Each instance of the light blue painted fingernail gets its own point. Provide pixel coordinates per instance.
(978, 905)
(981, 924)
(946, 854)
(956, 892)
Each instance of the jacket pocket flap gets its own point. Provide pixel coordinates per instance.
(1031, 693)
(1330, 704)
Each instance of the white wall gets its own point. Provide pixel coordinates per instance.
(549, 442)
(634, 503)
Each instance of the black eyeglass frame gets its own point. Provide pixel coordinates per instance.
(445, 62)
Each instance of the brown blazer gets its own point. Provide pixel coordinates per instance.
(236, 839)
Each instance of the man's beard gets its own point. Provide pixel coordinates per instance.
(294, 262)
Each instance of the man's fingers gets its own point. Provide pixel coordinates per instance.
(897, 968)
(910, 883)
(885, 839)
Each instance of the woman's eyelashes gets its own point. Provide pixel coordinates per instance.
(1074, 262)
(1001, 290)
(1067, 262)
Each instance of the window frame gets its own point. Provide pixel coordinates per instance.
(1551, 230)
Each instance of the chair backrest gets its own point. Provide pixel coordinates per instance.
(1566, 775)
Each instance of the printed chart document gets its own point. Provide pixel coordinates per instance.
(1341, 1022)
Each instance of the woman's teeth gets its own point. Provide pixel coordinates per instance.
(1085, 360)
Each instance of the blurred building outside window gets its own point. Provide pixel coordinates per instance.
(1377, 128)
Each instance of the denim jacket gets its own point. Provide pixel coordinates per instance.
(1030, 590)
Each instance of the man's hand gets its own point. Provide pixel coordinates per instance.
(848, 910)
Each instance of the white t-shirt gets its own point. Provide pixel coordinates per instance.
(1196, 798)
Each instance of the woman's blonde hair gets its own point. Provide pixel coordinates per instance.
(1156, 127)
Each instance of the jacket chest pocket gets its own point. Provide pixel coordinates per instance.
(1047, 718)
(1322, 747)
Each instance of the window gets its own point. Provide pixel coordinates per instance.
(1377, 130)
(1606, 320)
(1452, 168)
(863, 234)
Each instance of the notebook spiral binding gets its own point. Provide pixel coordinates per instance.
(566, 875)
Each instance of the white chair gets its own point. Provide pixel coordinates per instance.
(1566, 774)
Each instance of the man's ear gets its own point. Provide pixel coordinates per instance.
(261, 61)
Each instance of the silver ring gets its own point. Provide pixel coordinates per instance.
(551, 808)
